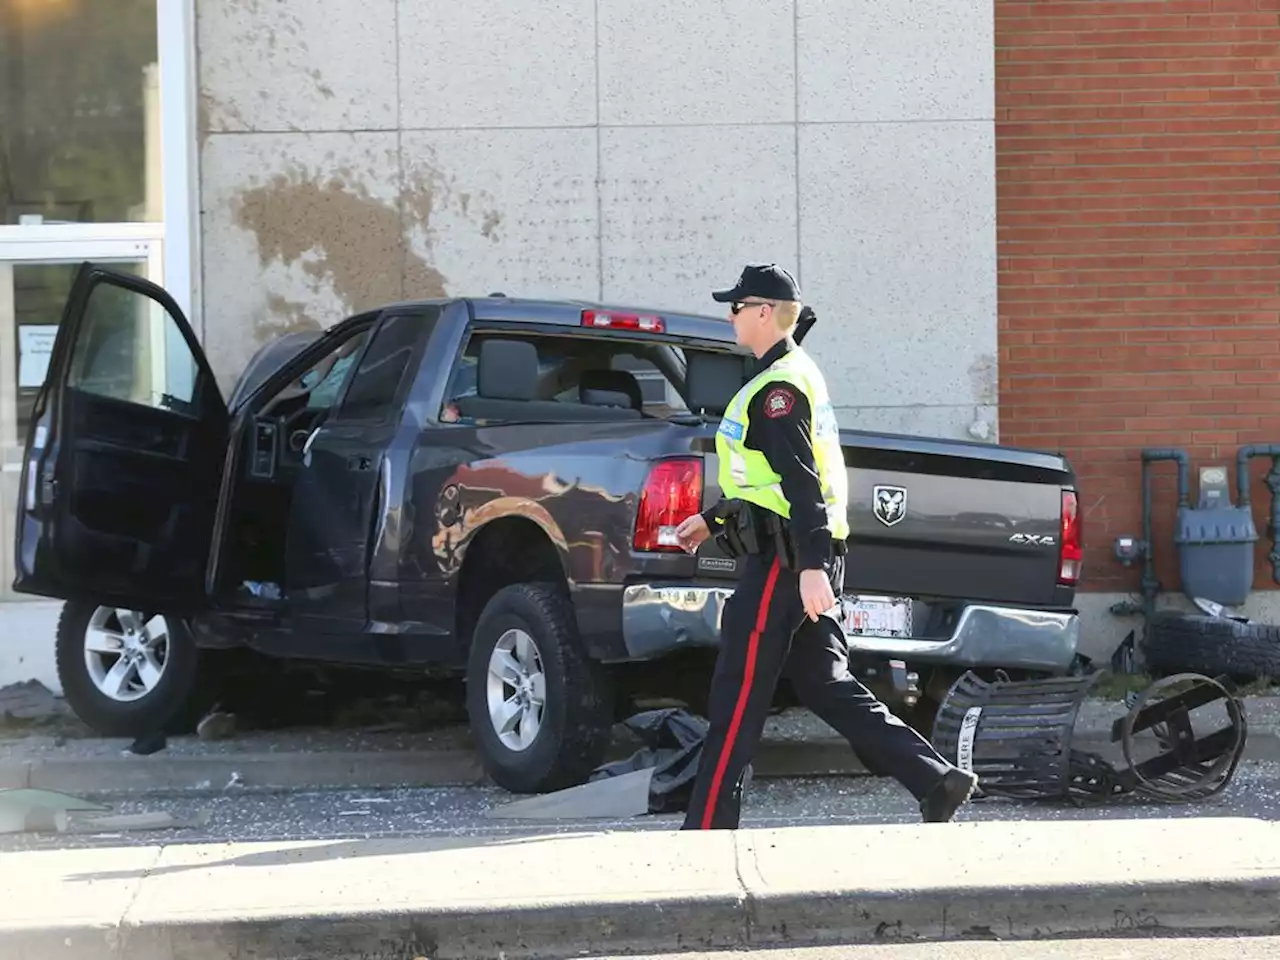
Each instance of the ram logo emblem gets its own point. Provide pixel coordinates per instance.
(889, 504)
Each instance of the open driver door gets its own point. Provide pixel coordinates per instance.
(124, 454)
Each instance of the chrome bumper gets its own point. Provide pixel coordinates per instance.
(666, 617)
(659, 619)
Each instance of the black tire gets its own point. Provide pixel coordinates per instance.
(1188, 643)
(577, 716)
(171, 707)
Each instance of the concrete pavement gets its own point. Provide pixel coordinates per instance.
(570, 895)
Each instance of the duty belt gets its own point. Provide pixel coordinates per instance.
(749, 529)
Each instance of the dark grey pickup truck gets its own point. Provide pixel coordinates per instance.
(485, 488)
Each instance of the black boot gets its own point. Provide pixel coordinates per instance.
(942, 802)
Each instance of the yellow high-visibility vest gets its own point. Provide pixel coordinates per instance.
(745, 474)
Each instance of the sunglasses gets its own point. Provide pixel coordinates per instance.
(739, 305)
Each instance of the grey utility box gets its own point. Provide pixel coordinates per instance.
(1215, 544)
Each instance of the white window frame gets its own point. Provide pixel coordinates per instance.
(172, 245)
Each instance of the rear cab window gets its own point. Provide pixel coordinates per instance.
(650, 372)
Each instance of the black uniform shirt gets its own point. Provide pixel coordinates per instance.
(778, 425)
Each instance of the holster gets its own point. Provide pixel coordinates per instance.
(736, 535)
(748, 529)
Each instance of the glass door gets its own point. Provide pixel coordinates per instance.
(35, 278)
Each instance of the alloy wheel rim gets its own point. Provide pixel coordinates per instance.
(126, 653)
(516, 690)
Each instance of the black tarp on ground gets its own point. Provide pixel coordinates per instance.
(672, 741)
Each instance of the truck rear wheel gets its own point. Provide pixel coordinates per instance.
(541, 711)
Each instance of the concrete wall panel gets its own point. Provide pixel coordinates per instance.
(718, 61)
(923, 60)
(686, 207)
(897, 238)
(640, 152)
(301, 65)
(299, 231)
(494, 63)
(502, 210)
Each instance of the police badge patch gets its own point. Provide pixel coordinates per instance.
(778, 402)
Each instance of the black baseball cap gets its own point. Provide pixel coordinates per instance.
(765, 280)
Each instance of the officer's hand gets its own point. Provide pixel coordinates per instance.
(692, 532)
(815, 593)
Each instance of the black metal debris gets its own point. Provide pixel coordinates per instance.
(1017, 736)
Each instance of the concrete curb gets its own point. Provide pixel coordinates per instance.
(1245, 907)
(386, 769)
(670, 892)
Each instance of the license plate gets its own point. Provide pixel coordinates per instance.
(876, 616)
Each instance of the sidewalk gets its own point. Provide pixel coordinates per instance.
(795, 744)
(565, 895)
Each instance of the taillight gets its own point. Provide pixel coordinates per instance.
(1071, 549)
(611, 320)
(672, 492)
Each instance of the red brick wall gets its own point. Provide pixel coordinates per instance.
(1138, 185)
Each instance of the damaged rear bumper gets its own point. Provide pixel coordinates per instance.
(660, 618)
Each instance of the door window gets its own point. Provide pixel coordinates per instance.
(130, 348)
(382, 367)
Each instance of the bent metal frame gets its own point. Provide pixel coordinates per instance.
(1016, 736)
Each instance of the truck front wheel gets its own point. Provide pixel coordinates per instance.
(541, 711)
(125, 673)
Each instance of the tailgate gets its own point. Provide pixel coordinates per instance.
(951, 519)
(956, 520)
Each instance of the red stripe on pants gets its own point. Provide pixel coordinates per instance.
(748, 675)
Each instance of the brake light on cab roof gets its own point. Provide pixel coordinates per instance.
(612, 320)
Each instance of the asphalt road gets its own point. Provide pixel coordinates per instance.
(236, 814)
(1227, 948)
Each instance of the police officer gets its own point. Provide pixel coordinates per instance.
(782, 474)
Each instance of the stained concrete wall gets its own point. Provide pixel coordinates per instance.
(636, 151)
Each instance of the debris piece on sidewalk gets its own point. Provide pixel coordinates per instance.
(30, 701)
(146, 745)
(147, 820)
(216, 725)
(657, 778)
(625, 795)
(30, 810)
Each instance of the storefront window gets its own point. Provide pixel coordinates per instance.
(79, 112)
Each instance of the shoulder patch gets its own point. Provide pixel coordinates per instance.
(778, 402)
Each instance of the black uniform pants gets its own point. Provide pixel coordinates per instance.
(764, 635)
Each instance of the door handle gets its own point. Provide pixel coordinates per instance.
(359, 462)
(306, 447)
